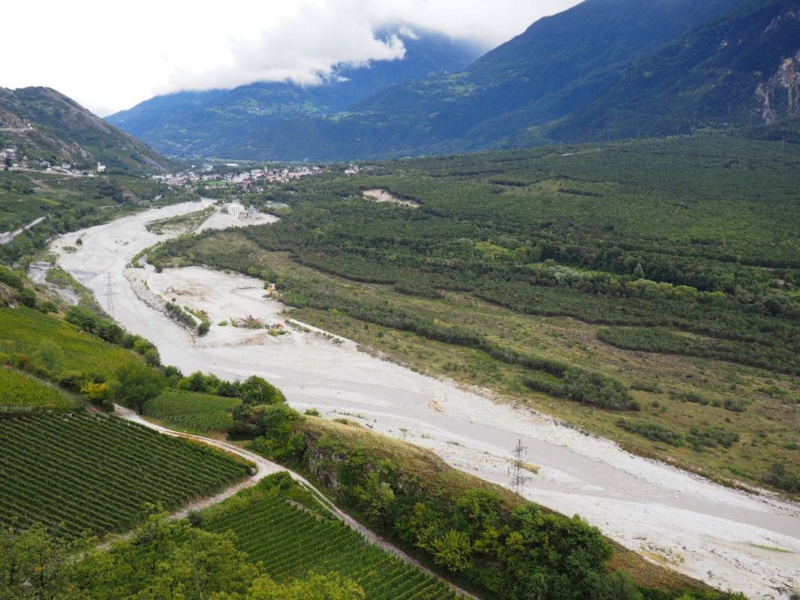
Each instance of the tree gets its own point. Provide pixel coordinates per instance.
(452, 550)
(136, 384)
(317, 587)
(256, 390)
(32, 562)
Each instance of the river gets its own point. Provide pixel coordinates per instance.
(725, 537)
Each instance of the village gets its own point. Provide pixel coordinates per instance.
(11, 161)
(249, 179)
(245, 178)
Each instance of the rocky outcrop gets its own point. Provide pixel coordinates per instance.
(780, 95)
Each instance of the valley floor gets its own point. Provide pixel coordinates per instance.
(727, 538)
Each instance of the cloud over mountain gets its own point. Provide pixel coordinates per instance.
(109, 56)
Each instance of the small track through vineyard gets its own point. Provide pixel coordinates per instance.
(292, 541)
(83, 474)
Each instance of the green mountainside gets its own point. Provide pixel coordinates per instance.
(43, 124)
(742, 69)
(605, 69)
(557, 65)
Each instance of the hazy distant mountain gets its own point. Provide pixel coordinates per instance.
(603, 69)
(208, 123)
(43, 123)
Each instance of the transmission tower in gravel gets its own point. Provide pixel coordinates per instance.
(517, 469)
(109, 294)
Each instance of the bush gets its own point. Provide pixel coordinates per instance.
(615, 586)
(240, 430)
(781, 478)
(583, 386)
(11, 279)
(203, 328)
(72, 380)
(652, 431)
(98, 393)
(26, 297)
(735, 405)
(257, 390)
(711, 438)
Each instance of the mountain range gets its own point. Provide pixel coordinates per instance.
(605, 69)
(209, 122)
(43, 124)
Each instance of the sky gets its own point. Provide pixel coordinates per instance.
(111, 55)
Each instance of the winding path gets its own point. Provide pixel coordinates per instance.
(264, 468)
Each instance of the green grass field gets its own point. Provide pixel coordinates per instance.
(81, 474)
(192, 412)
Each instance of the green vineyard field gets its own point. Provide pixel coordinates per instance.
(191, 411)
(56, 345)
(21, 390)
(81, 474)
(292, 541)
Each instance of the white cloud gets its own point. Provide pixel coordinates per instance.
(111, 55)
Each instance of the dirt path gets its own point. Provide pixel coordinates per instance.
(265, 468)
(8, 236)
(727, 538)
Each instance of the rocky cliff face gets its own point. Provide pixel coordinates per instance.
(780, 95)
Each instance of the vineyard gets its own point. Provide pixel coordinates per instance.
(20, 390)
(29, 337)
(291, 540)
(87, 475)
(191, 411)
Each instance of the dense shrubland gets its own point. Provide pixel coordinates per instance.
(677, 247)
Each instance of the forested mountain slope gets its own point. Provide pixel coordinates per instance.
(605, 69)
(42, 123)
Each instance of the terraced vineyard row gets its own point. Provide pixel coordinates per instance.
(291, 542)
(191, 411)
(21, 390)
(82, 474)
(57, 345)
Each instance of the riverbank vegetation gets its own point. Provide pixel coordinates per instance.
(481, 535)
(585, 281)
